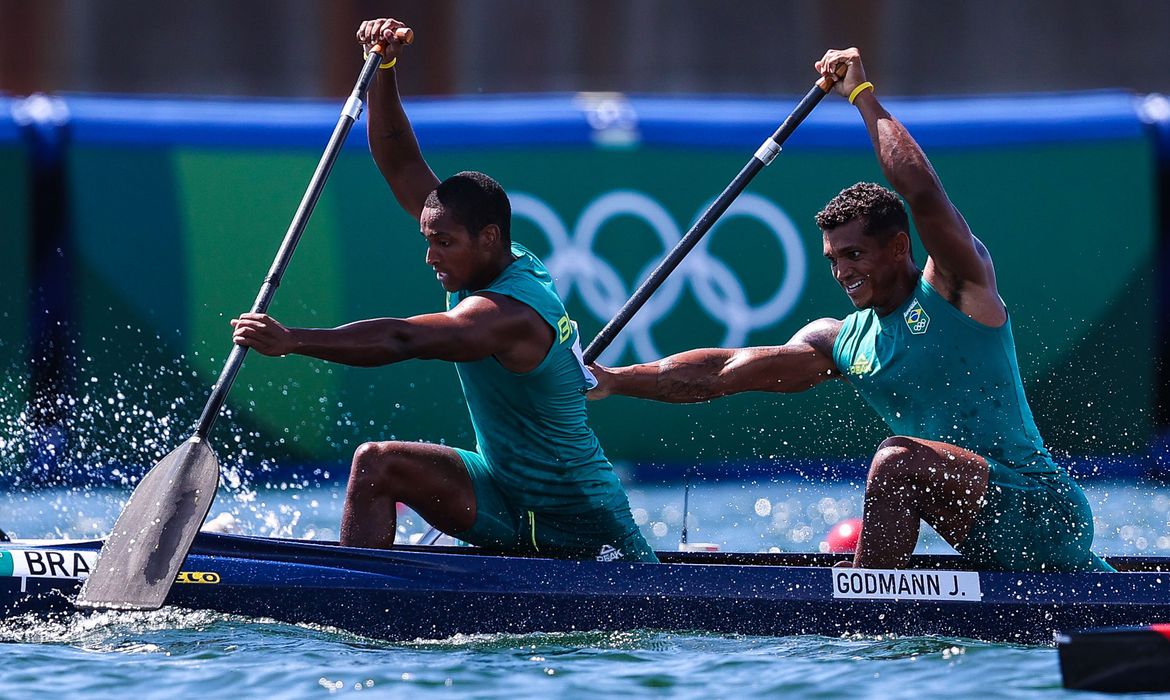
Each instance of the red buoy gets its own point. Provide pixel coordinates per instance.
(842, 537)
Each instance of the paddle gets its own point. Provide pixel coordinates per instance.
(150, 540)
(764, 155)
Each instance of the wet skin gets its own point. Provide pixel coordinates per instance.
(460, 260)
(872, 273)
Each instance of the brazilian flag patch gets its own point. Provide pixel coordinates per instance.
(916, 319)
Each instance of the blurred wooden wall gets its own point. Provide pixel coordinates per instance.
(290, 48)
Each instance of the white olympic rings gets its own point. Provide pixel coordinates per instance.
(575, 267)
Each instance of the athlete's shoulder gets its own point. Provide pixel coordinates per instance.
(517, 333)
(981, 303)
(525, 269)
(525, 259)
(489, 303)
(820, 334)
(847, 337)
(857, 322)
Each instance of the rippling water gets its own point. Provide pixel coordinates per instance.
(172, 653)
(175, 654)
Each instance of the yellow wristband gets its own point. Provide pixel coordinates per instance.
(859, 89)
(387, 65)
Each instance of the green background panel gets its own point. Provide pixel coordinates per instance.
(14, 290)
(177, 241)
(230, 210)
(130, 292)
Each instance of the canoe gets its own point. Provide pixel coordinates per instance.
(433, 592)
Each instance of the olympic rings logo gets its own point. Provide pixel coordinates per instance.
(577, 269)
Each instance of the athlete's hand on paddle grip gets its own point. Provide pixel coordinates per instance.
(263, 334)
(834, 60)
(386, 35)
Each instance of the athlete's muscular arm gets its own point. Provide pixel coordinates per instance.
(392, 141)
(480, 326)
(956, 256)
(701, 375)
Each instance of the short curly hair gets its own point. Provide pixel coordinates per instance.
(881, 210)
(475, 201)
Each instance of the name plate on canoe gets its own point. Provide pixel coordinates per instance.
(46, 563)
(75, 564)
(891, 584)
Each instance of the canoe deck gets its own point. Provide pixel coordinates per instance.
(414, 592)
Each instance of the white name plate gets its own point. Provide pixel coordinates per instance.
(891, 584)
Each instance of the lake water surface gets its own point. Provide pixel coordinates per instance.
(176, 654)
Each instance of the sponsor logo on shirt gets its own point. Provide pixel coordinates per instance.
(916, 318)
(564, 328)
(862, 365)
(609, 553)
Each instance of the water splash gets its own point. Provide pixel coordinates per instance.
(96, 433)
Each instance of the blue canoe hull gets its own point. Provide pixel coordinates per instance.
(437, 592)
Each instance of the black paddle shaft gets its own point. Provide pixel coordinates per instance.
(764, 155)
(349, 114)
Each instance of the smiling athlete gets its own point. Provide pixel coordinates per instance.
(538, 480)
(931, 350)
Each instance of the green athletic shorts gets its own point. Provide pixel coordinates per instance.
(1032, 522)
(607, 534)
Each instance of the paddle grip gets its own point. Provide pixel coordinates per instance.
(403, 34)
(826, 83)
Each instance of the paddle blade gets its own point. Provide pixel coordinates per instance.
(148, 544)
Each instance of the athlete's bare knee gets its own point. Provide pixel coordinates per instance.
(896, 464)
(378, 466)
(900, 444)
(894, 456)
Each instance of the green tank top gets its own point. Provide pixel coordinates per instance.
(531, 426)
(932, 372)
